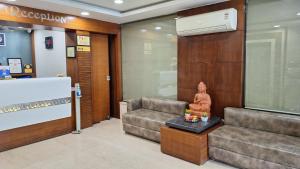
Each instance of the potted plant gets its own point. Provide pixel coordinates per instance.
(204, 117)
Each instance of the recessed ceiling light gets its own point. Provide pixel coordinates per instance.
(158, 28)
(119, 1)
(143, 30)
(11, 0)
(298, 14)
(276, 26)
(85, 13)
(20, 27)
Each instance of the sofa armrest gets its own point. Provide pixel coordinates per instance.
(134, 104)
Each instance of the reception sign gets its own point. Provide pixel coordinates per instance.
(41, 16)
(20, 14)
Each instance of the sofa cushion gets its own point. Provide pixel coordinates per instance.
(147, 119)
(277, 148)
(167, 106)
(260, 120)
(142, 132)
(242, 161)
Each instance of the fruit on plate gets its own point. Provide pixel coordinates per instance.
(191, 118)
(195, 119)
(187, 116)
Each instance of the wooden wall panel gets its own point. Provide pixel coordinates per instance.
(80, 70)
(100, 71)
(85, 80)
(72, 70)
(30, 134)
(33, 54)
(116, 73)
(217, 59)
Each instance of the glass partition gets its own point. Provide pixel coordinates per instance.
(16, 44)
(273, 55)
(149, 58)
(27, 46)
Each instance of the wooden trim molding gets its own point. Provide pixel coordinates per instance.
(116, 73)
(33, 54)
(30, 134)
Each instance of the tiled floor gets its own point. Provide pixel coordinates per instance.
(103, 146)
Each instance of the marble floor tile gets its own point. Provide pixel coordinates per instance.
(103, 146)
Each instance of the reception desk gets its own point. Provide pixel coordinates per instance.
(27, 102)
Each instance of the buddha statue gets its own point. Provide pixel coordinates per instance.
(202, 102)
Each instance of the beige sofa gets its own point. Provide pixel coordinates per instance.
(145, 116)
(257, 140)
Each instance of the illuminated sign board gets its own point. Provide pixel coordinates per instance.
(16, 11)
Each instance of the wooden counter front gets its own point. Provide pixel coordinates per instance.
(185, 145)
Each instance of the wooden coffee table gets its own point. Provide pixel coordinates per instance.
(185, 145)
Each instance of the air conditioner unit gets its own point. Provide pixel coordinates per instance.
(213, 22)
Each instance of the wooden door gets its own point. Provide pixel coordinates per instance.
(100, 72)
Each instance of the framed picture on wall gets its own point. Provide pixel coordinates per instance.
(15, 65)
(49, 42)
(2, 39)
(83, 40)
(71, 52)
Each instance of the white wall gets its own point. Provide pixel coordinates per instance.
(50, 62)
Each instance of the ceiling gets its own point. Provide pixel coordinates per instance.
(127, 6)
(107, 10)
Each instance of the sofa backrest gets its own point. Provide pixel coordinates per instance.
(134, 104)
(261, 120)
(167, 106)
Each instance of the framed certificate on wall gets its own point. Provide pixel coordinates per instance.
(15, 65)
(2, 39)
(83, 40)
(71, 52)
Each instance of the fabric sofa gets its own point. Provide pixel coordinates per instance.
(257, 140)
(145, 116)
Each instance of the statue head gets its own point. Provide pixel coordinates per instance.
(201, 87)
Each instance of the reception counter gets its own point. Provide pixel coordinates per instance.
(27, 102)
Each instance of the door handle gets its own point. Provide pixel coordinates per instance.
(108, 78)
